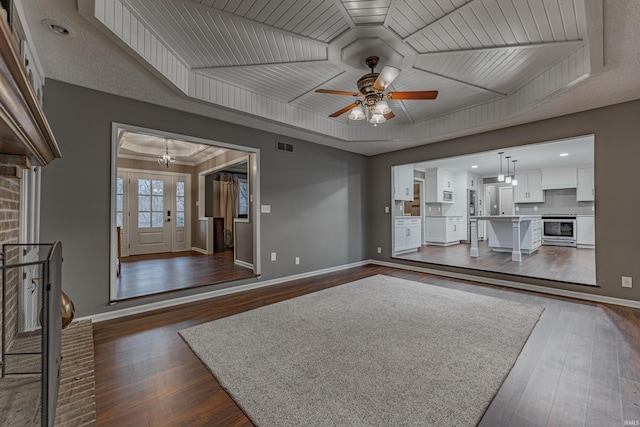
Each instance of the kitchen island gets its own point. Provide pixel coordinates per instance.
(509, 233)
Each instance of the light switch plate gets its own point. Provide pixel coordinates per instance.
(273, 256)
(265, 208)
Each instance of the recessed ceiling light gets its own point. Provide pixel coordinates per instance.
(474, 167)
(57, 28)
(564, 154)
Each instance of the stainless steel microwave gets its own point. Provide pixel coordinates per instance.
(447, 196)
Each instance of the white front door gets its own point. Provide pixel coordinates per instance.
(150, 199)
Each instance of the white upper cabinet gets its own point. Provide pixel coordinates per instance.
(403, 182)
(557, 178)
(473, 181)
(529, 188)
(586, 185)
(439, 180)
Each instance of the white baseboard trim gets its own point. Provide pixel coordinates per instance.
(243, 263)
(202, 251)
(109, 315)
(516, 285)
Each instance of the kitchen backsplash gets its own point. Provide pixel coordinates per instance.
(561, 201)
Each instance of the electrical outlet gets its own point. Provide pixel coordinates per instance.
(297, 260)
(273, 256)
(627, 282)
(379, 250)
(535, 208)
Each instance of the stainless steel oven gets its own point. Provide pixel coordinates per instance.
(559, 230)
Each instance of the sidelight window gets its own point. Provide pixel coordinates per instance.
(180, 203)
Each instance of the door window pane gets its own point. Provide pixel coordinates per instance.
(144, 220)
(144, 203)
(144, 186)
(150, 203)
(158, 187)
(156, 219)
(179, 188)
(119, 219)
(158, 203)
(180, 219)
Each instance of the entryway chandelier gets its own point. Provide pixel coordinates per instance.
(166, 159)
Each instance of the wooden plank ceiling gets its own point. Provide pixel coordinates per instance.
(472, 51)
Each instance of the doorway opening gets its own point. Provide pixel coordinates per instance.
(162, 237)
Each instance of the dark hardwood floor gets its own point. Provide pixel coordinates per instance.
(580, 367)
(157, 273)
(564, 264)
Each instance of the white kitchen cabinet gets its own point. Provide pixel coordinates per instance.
(586, 185)
(403, 182)
(454, 229)
(529, 188)
(439, 180)
(586, 231)
(473, 181)
(559, 178)
(443, 230)
(408, 232)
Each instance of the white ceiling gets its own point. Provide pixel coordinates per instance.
(144, 146)
(257, 62)
(579, 152)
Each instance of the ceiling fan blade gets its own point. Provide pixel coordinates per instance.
(336, 92)
(386, 76)
(420, 94)
(389, 115)
(344, 110)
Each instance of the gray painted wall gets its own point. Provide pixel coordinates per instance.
(617, 153)
(318, 195)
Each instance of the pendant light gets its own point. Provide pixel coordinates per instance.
(166, 159)
(507, 179)
(501, 175)
(514, 181)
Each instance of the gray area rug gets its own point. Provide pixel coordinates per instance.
(380, 351)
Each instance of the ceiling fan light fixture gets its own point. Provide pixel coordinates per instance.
(356, 114)
(377, 118)
(382, 108)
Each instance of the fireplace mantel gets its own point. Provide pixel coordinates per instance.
(24, 129)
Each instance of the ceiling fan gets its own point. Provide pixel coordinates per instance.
(372, 86)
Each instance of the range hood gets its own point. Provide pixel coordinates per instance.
(558, 178)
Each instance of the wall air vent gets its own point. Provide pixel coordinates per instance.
(281, 146)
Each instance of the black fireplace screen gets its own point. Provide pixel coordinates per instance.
(31, 317)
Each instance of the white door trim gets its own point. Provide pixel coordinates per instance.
(254, 173)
